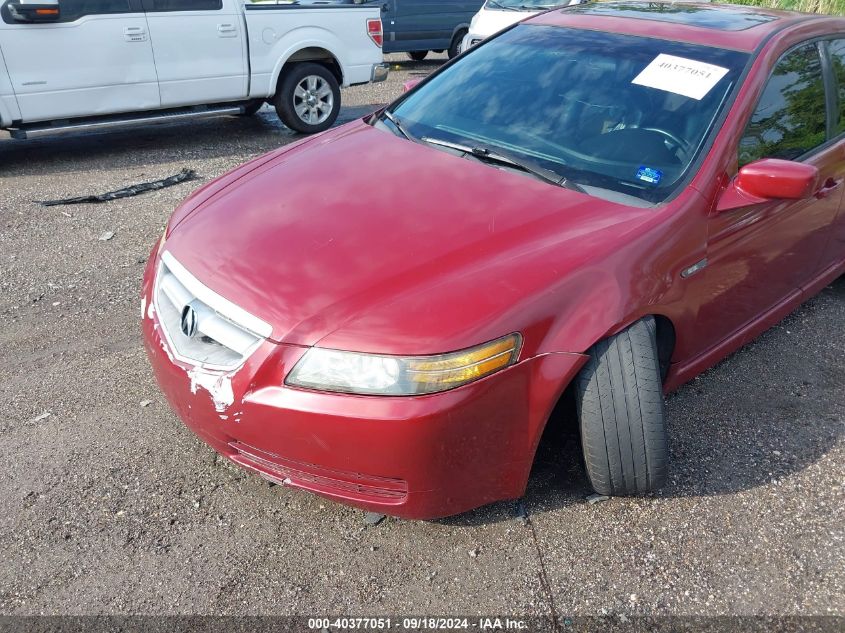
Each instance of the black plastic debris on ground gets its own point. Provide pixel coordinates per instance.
(186, 175)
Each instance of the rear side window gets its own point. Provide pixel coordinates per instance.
(837, 59)
(790, 118)
(74, 9)
(183, 5)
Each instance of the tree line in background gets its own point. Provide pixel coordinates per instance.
(813, 6)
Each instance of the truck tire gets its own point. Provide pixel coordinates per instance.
(455, 46)
(308, 98)
(619, 399)
(417, 56)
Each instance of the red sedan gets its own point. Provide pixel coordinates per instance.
(603, 200)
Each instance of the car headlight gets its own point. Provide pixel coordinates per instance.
(371, 374)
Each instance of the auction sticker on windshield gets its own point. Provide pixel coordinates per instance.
(682, 76)
(649, 175)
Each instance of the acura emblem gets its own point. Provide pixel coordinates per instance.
(189, 322)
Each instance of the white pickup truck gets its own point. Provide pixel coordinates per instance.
(68, 65)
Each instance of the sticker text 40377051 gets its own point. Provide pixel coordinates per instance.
(681, 76)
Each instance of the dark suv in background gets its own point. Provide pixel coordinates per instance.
(419, 26)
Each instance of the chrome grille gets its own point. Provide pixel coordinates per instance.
(226, 334)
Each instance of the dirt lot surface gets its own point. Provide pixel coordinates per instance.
(109, 506)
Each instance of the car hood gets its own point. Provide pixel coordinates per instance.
(361, 239)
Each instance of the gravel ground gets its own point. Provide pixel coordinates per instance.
(108, 506)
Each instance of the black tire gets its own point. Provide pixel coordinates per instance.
(252, 107)
(455, 46)
(619, 399)
(284, 101)
(417, 56)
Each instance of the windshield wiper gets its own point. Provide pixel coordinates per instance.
(387, 114)
(497, 156)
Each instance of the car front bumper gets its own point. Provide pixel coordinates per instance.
(470, 40)
(413, 457)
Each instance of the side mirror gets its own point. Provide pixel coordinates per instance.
(410, 84)
(769, 179)
(30, 13)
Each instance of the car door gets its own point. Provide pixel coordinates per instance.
(200, 50)
(423, 25)
(759, 255)
(836, 246)
(96, 58)
(400, 21)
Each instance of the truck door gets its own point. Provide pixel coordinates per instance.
(94, 58)
(418, 25)
(424, 25)
(200, 50)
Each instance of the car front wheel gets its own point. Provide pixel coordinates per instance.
(308, 99)
(619, 398)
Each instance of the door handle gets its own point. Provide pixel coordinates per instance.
(830, 186)
(135, 34)
(227, 30)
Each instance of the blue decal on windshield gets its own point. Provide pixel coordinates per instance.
(649, 175)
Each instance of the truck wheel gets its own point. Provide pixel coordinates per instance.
(308, 99)
(417, 56)
(619, 398)
(455, 46)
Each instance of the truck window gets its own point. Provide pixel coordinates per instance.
(182, 5)
(72, 10)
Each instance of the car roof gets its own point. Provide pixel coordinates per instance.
(731, 26)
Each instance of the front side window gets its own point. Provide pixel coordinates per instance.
(72, 10)
(621, 116)
(790, 119)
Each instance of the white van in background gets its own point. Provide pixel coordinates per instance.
(496, 15)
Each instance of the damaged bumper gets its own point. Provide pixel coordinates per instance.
(413, 457)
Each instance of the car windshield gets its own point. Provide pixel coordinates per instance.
(621, 116)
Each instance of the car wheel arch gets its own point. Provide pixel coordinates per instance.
(562, 410)
(461, 27)
(666, 335)
(316, 55)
